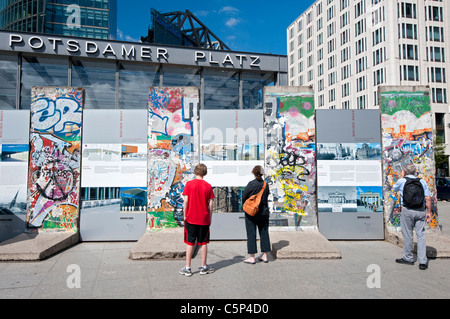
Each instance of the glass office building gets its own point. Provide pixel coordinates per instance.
(79, 18)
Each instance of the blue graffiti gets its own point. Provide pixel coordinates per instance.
(50, 115)
(159, 99)
(175, 198)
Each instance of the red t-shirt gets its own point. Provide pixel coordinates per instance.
(199, 194)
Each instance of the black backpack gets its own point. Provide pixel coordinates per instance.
(413, 193)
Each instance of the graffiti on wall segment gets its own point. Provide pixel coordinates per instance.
(289, 124)
(54, 164)
(172, 116)
(407, 138)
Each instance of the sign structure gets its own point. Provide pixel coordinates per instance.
(172, 152)
(231, 145)
(14, 145)
(129, 51)
(349, 174)
(289, 124)
(407, 138)
(114, 171)
(54, 162)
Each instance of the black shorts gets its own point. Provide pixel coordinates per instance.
(196, 232)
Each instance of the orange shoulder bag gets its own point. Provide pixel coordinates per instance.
(251, 205)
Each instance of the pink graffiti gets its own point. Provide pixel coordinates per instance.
(293, 111)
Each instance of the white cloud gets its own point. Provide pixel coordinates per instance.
(232, 22)
(125, 37)
(229, 10)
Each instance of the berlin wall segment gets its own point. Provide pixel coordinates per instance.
(173, 128)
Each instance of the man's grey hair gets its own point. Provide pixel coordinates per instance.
(410, 169)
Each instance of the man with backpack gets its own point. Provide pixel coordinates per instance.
(416, 212)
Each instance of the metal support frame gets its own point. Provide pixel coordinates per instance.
(192, 28)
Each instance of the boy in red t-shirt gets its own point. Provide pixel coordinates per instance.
(198, 206)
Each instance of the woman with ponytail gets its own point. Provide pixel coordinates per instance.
(260, 220)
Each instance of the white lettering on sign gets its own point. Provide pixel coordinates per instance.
(160, 52)
(129, 54)
(109, 50)
(227, 60)
(54, 42)
(15, 39)
(124, 51)
(199, 56)
(255, 61)
(91, 47)
(36, 43)
(241, 58)
(73, 46)
(211, 59)
(146, 53)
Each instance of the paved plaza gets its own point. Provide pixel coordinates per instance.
(367, 269)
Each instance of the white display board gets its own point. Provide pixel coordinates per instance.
(231, 145)
(349, 174)
(230, 174)
(14, 149)
(114, 175)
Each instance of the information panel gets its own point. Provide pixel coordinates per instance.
(114, 167)
(14, 152)
(349, 174)
(231, 145)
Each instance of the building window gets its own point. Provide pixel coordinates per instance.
(439, 95)
(378, 77)
(8, 86)
(435, 13)
(221, 89)
(37, 71)
(408, 10)
(361, 102)
(98, 78)
(410, 73)
(252, 88)
(409, 52)
(134, 83)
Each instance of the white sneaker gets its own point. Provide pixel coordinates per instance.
(186, 271)
(206, 270)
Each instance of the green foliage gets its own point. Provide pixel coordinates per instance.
(439, 151)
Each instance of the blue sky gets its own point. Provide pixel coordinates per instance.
(250, 26)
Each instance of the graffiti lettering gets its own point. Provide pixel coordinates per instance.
(158, 99)
(159, 171)
(49, 114)
(159, 124)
